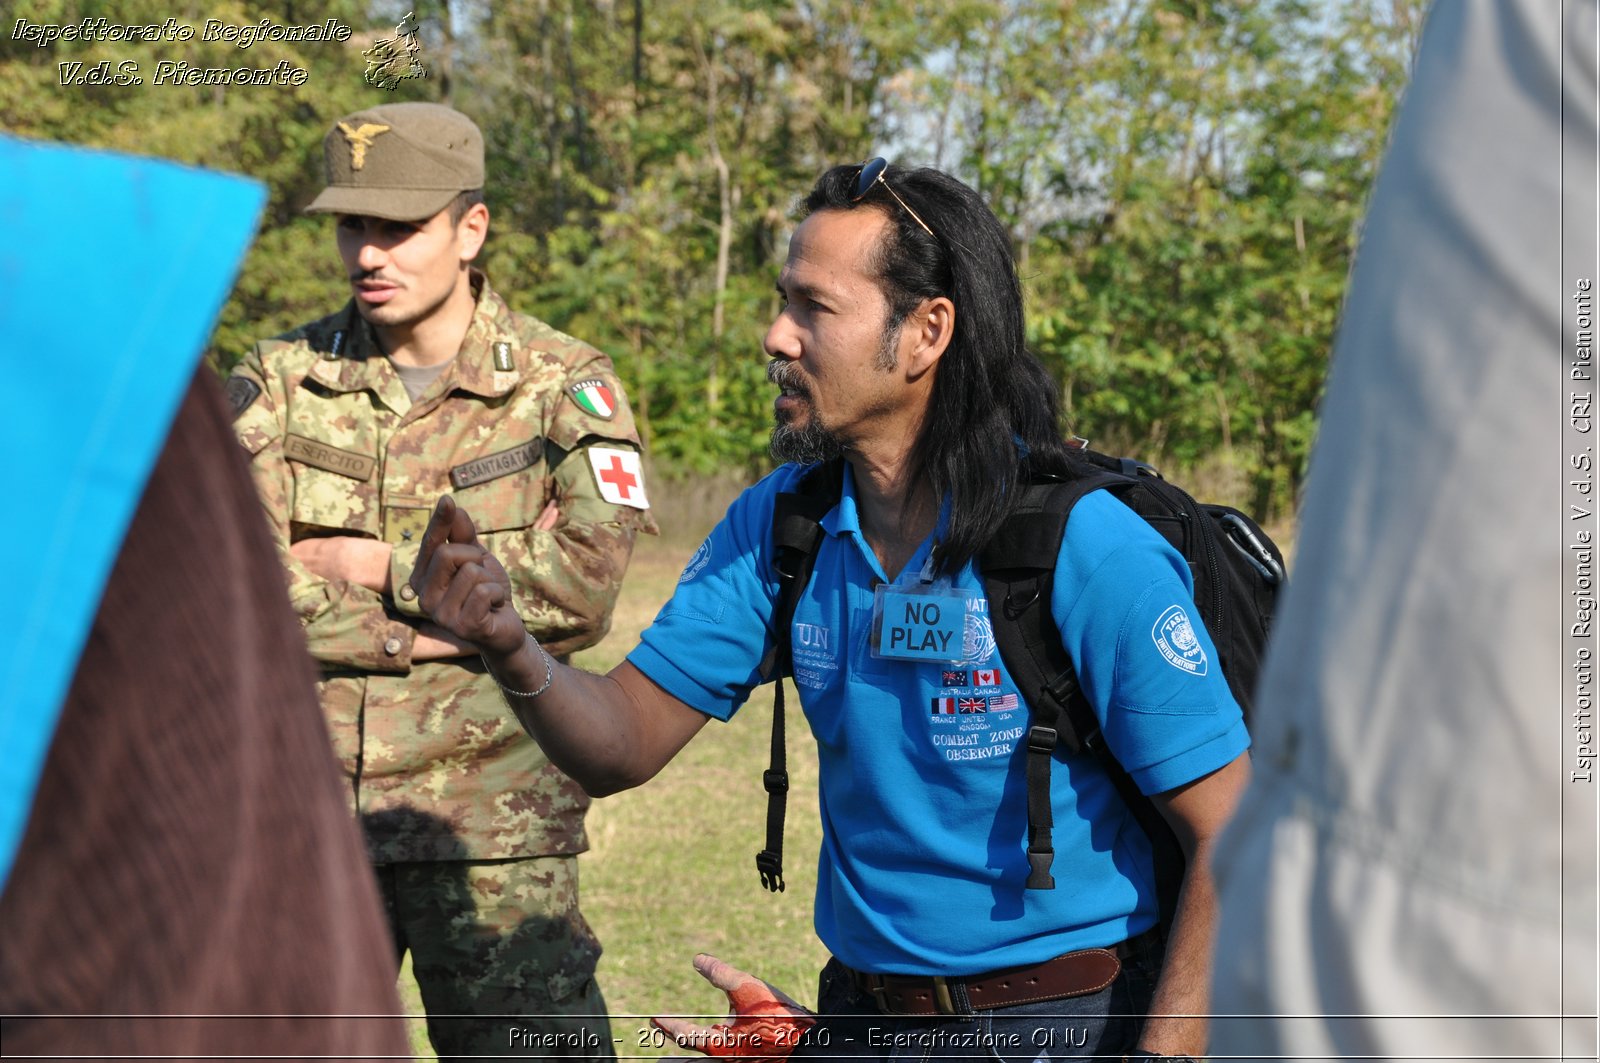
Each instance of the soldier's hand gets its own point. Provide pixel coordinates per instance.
(462, 587)
(346, 557)
(434, 643)
(764, 1024)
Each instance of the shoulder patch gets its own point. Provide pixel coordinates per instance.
(701, 557)
(1175, 638)
(619, 476)
(241, 392)
(594, 397)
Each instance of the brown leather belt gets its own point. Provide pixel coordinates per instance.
(1074, 975)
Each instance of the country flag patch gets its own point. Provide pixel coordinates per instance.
(594, 397)
(1002, 703)
(986, 677)
(944, 706)
(619, 476)
(952, 679)
(967, 705)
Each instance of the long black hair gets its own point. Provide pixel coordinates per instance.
(993, 419)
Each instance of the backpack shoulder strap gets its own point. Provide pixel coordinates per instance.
(1018, 571)
(1018, 567)
(796, 538)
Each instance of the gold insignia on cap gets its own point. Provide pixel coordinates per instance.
(360, 140)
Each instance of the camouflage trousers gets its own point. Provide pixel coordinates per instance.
(503, 958)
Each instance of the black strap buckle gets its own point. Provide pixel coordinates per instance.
(1062, 686)
(1042, 739)
(771, 867)
(1039, 877)
(775, 782)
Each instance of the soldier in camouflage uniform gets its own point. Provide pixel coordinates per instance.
(427, 383)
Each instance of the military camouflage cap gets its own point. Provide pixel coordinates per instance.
(401, 161)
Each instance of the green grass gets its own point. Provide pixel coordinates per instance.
(671, 868)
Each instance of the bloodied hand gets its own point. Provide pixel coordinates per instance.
(764, 1023)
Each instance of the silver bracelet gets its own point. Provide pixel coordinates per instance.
(549, 674)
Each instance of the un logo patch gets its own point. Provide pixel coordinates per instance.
(977, 639)
(697, 562)
(1175, 638)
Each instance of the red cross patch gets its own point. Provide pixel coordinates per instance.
(619, 476)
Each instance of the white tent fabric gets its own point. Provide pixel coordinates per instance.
(1412, 872)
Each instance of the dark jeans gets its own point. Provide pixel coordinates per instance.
(1104, 1024)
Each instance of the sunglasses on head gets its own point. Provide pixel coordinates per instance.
(871, 173)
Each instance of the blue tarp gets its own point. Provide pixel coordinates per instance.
(112, 271)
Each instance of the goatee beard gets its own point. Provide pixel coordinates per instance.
(804, 444)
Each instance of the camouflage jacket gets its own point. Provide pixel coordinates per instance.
(440, 769)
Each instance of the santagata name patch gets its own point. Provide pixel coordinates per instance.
(493, 466)
(1174, 636)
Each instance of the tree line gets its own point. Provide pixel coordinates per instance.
(1183, 180)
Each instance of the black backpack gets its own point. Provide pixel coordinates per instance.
(1237, 570)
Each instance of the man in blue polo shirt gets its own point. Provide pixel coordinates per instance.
(900, 349)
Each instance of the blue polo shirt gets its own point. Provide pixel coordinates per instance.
(922, 792)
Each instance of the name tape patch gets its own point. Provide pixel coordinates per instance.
(322, 456)
(493, 466)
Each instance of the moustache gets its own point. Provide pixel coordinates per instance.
(788, 377)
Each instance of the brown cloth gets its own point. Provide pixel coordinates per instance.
(190, 853)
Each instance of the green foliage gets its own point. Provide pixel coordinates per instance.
(1186, 226)
(1183, 180)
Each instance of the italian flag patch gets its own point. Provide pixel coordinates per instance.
(594, 398)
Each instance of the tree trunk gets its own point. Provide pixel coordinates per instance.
(727, 198)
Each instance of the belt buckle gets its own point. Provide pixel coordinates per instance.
(877, 986)
(941, 996)
(873, 984)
